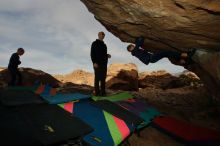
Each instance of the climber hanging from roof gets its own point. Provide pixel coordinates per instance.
(146, 57)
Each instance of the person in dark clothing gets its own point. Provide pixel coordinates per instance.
(13, 67)
(99, 59)
(147, 57)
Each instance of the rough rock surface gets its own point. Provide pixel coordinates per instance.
(77, 77)
(119, 77)
(158, 79)
(122, 77)
(168, 25)
(2, 68)
(164, 80)
(30, 76)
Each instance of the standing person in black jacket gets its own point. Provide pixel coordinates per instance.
(99, 58)
(13, 67)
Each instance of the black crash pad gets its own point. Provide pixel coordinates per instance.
(19, 97)
(39, 125)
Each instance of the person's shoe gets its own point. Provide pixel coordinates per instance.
(95, 93)
(191, 52)
(103, 94)
(139, 41)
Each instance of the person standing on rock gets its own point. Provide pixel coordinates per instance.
(99, 59)
(13, 67)
(147, 57)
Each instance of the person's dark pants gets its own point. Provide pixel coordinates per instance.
(14, 72)
(165, 54)
(100, 76)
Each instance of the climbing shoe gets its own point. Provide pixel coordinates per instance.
(139, 41)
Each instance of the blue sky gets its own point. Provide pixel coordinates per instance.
(57, 35)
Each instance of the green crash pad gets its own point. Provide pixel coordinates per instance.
(115, 97)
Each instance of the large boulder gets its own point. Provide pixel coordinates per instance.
(122, 77)
(164, 80)
(119, 77)
(80, 77)
(155, 79)
(168, 25)
(2, 68)
(30, 77)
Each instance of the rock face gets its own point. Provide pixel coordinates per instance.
(119, 77)
(30, 76)
(164, 80)
(77, 77)
(168, 25)
(126, 77)
(157, 79)
(2, 68)
(122, 77)
(208, 69)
